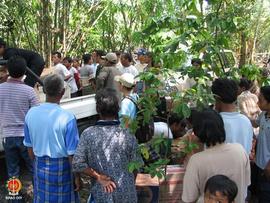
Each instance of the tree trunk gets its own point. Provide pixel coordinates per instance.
(243, 50)
(47, 32)
(256, 31)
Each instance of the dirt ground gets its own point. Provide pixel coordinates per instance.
(27, 189)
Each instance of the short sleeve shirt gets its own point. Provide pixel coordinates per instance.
(61, 70)
(51, 131)
(128, 108)
(230, 160)
(263, 141)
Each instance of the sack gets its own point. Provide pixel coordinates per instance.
(145, 131)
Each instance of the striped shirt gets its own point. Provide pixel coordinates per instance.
(16, 99)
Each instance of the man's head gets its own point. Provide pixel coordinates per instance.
(225, 92)
(87, 59)
(220, 188)
(177, 125)
(126, 81)
(208, 126)
(126, 59)
(76, 62)
(56, 57)
(264, 98)
(2, 46)
(196, 62)
(16, 66)
(97, 54)
(244, 85)
(54, 87)
(107, 103)
(141, 53)
(110, 59)
(67, 61)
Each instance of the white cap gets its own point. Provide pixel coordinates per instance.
(126, 79)
(111, 57)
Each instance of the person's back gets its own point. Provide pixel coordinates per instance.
(51, 136)
(230, 160)
(112, 148)
(237, 126)
(106, 77)
(86, 71)
(54, 121)
(226, 159)
(238, 129)
(108, 149)
(128, 106)
(16, 99)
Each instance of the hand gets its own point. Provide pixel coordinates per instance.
(107, 184)
(78, 183)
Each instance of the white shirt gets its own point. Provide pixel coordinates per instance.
(72, 82)
(61, 70)
(130, 69)
(238, 129)
(162, 129)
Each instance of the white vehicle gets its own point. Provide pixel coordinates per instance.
(84, 109)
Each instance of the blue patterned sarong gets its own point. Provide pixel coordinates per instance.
(53, 181)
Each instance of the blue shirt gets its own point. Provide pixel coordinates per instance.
(263, 141)
(128, 108)
(51, 131)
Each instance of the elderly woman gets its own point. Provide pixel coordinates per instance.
(107, 148)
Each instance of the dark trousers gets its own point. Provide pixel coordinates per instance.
(260, 186)
(14, 151)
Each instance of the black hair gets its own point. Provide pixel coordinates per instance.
(100, 52)
(265, 91)
(86, 58)
(245, 83)
(16, 66)
(208, 126)
(222, 184)
(196, 60)
(127, 56)
(175, 118)
(107, 103)
(57, 53)
(118, 53)
(2, 43)
(68, 59)
(225, 90)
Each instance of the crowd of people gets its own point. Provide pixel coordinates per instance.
(232, 163)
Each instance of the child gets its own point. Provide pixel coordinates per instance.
(220, 188)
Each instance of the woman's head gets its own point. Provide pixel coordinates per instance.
(208, 126)
(107, 103)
